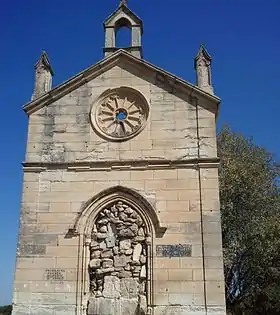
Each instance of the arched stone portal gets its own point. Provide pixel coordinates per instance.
(118, 267)
(118, 225)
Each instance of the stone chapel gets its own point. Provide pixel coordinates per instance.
(120, 208)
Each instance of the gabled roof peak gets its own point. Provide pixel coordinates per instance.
(119, 57)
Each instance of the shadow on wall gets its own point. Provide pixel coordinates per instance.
(139, 311)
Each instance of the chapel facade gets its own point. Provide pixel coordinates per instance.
(120, 208)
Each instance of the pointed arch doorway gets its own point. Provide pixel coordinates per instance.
(118, 227)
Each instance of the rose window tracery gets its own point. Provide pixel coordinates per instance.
(121, 114)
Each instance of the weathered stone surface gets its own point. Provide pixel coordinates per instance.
(94, 245)
(115, 250)
(129, 251)
(137, 252)
(141, 232)
(58, 195)
(125, 244)
(136, 268)
(107, 253)
(112, 287)
(102, 245)
(181, 310)
(111, 239)
(129, 306)
(116, 273)
(95, 263)
(103, 229)
(101, 236)
(31, 250)
(139, 239)
(143, 304)
(98, 293)
(102, 221)
(143, 259)
(102, 305)
(126, 233)
(121, 261)
(131, 220)
(128, 211)
(24, 309)
(129, 288)
(142, 287)
(127, 267)
(134, 229)
(135, 263)
(107, 263)
(107, 306)
(123, 217)
(95, 254)
(125, 274)
(105, 270)
(143, 273)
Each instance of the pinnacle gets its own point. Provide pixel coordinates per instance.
(45, 61)
(202, 51)
(123, 2)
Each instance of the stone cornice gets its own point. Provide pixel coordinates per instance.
(107, 63)
(122, 165)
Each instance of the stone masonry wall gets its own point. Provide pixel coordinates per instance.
(47, 261)
(48, 268)
(62, 131)
(118, 262)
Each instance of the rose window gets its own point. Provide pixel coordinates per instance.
(121, 114)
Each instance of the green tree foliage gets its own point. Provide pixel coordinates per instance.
(6, 310)
(250, 206)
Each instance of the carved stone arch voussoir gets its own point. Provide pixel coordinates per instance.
(85, 221)
(116, 228)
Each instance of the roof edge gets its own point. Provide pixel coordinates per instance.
(100, 67)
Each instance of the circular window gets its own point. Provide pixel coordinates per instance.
(120, 114)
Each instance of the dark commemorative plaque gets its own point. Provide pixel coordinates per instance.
(55, 274)
(179, 250)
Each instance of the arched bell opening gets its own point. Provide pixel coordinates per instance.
(123, 33)
(123, 29)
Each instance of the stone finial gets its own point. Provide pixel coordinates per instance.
(203, 70)
(43, 76)
(123, 2)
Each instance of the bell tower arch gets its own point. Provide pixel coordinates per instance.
(123, 17)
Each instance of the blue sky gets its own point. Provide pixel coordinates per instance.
(242, 37)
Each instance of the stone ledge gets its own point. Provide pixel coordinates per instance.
(190, 310)
(31, 309)
(123, 165)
